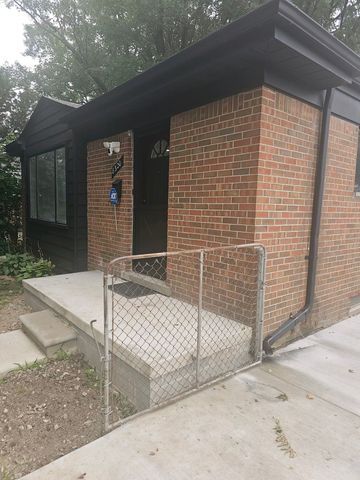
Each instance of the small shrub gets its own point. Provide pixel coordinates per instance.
(37, 268)
(4, 246)
(12, 264)
(25, 265)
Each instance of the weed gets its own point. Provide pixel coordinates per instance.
(92, 377)
(35, 365)
(5, 474)
(61, 355)
(283, 397)
(125, 408)
(282, 441)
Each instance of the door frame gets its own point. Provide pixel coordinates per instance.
(139, 134)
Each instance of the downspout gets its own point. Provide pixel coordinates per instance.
(302, 314)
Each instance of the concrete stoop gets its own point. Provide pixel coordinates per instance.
(49, 332)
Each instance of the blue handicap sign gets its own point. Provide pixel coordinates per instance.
(113, 196)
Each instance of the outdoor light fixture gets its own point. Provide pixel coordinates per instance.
(112, 147)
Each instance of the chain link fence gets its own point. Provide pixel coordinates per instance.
(174, 322)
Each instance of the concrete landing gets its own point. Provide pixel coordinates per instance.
(227, 431)
(155, 336)
(16, 348)
(48, 332)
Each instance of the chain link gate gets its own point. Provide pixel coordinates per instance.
(174, 322)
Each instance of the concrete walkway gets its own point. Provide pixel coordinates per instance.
(227, 431)
(16, 349)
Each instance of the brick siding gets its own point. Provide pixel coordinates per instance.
(104, 242)
(287, 159)
(242, 170)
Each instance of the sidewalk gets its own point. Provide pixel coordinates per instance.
(227, 431)
(16, 349)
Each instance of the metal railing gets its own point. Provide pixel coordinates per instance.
(176, 321)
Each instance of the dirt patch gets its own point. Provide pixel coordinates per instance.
(46, 411)
(11, 304)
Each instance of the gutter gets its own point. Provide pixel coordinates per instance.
(305, 311)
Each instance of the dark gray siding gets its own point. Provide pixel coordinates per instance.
(65, 245)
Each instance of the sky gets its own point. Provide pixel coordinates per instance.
(11, 36)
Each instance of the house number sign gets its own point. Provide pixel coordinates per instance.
(117, 166)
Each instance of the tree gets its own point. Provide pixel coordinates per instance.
(10, 199)
(17, 98)
(86, 47)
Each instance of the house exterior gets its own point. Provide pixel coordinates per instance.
(250, 135)
(54, 177)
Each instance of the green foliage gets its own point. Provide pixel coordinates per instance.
(5, 474)
(18, 95)
(35, 365)
(37, 268)
(25, 265)
(91, 377)
(86, 47)
(61, 355)
(12, 264)
(10, 199)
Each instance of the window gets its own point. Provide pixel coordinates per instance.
(160, 149)
(357, 172)
(47, 185)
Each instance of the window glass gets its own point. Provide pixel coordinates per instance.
(46, 187)
(160, 149)
(32, 173)
(60, 186)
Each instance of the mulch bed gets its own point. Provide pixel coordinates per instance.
(47, 410)
(12, 304)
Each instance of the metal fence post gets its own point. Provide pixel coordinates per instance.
(106, 358)
(198, 343)
(260, 303)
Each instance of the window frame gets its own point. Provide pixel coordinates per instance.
(37, 220)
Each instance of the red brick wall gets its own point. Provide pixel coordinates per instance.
(212, 177)
(242, 169)
(287, 159)
(212, 194)
(104, 242)
(338, 276)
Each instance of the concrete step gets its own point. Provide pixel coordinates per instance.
(17, 349)
(49, 332)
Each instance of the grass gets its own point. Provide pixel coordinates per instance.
(125, 407)
(9, 287)
(61, 355)
(35, 365)
(5, 474)
(92, 377)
